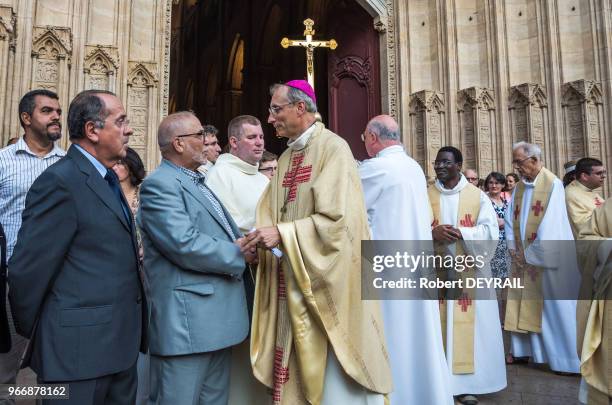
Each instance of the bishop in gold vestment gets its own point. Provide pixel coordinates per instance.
(313, 339)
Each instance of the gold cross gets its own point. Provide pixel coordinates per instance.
(310, 45)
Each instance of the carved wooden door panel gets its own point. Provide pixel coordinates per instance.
(353, 74)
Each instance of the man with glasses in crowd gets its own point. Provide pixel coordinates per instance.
(212, 148)
(543, 321)
(471, 176)
(581, 195)
(268, 164)
(313, 339)
(74, 279)
(195, 267)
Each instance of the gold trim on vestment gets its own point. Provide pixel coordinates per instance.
(464, 313)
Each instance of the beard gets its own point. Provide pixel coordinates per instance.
(55, 134)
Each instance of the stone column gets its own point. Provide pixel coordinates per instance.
(475, 108)
(427, 127)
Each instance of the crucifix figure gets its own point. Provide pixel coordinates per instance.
(310, 45)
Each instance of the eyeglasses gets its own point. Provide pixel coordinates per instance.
(122, 122)
(442, 163)
(268, 169)
(199, 134)
(363, 137)
(521, 161)
(600, 173)
(472, 178)
(275, 109)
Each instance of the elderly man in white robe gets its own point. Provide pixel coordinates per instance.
(536, 220)
(463, 218)
(395, 195)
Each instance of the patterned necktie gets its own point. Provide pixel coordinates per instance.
(113, 182)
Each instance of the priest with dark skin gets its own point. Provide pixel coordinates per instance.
(448, 172)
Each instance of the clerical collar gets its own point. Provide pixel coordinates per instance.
(528, 183)
(236, 162)
(300, 142)
(390, 149)
(460, 186)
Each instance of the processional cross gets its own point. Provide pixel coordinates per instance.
(310, 45)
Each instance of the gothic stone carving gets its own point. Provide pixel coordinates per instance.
(8, 25)
(475, 107)
(100, 67)
(527, 105)
(142, 80)
(51, 51)
(426, 121)
(581, 102)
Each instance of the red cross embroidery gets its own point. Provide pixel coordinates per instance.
(517, 211)
(467, 221)
(533, 237)
(281, 374)
(598, 202)
(533, 273)
(296, 175)
(282, 292)
(537, 208)
(465, 302)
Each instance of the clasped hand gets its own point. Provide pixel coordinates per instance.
(446, 233)
(267, 238)
(250, 254)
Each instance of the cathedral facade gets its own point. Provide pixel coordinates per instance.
(476, 74)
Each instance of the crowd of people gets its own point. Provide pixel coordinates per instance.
(236, 277)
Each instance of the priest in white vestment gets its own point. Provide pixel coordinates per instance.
(237, 182)
(556, 343)
(488, 369)
(396, 201)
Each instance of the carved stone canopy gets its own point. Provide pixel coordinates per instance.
(426, 100)
(8, 22)
(581, 91)
(101, 59)
(52, 42)
(142, 74)
(480, 98)
(526, 94)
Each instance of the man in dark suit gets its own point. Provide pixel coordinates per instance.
(195, 268)
(5, 335)
(75, 286)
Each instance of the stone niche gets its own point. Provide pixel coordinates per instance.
(142, 85)
(582, 119)
(427, 126)
(100, 67)
(527, 105)
(476, 107)
(51, 59)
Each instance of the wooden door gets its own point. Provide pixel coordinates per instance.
(353, 73)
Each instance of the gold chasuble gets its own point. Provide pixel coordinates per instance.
(581, 201)
(595, 317)
(309, 302)
(464, 311)
(524, 306)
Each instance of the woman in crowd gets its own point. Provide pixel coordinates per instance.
(511, 180)
(495, 183)
(130, 171)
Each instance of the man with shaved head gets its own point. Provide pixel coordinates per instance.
(396, 201)
(195, 266)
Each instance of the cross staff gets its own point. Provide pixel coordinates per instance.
(310, 45)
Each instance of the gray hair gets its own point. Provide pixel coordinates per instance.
(384, 132)
(294, 95)
(170, 125)
(530, 149)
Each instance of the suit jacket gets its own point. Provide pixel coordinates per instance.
(5, 334)
(74, 281)
(194, 269)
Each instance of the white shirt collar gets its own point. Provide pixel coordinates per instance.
(300, 142)
(460, 186)
(390, 150)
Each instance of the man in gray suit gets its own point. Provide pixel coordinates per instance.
(75, 286)
(194, 264)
